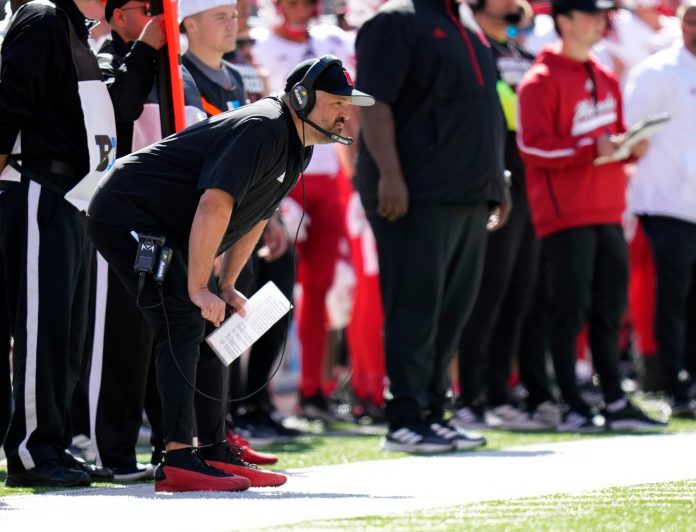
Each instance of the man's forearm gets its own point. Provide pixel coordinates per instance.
(378, 131)
(3, 161)
(237, 256)
(209, 224)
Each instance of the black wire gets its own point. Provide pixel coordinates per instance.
(141, 283)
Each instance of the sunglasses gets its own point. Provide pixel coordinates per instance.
(146, 10)
(245, 42)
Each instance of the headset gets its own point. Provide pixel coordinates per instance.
(303, 97)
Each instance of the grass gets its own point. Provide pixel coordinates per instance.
(663, 506)
(350, 444)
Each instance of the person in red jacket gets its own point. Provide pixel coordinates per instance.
(570, 114)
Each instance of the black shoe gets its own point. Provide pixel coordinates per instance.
(416, 437)
(134, 471)
(49, 474)
(316, 408)
(267, 421)
(684, 409)
(631, 417)
(96, 474)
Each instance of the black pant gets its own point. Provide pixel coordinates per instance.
(264, 353)
(491, 334)
(588, 279)
(5, 338)
(431, 262)
(120, 376)
(673, 243)
(176, 324)
(47, 261)
(534, 343)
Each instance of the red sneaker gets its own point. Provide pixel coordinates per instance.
(185, 470)
(249, 454)
(259, 478)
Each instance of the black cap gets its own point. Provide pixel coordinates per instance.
(560, 7)
(335, 80)
(111, 5)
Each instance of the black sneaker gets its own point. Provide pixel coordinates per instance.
(254, 432)
(316, 408)
(631, 417)
(460, 438)
(268, 421)
(134, 471)
(49, 474)
(96, 474)
(577, 422)
(185, 470)
(415, 437)
(684, 409)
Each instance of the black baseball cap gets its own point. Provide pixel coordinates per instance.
(111, 5)
(334, 79)
(561, 7)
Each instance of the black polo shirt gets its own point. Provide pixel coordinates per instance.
(253, 153)
(439, 78)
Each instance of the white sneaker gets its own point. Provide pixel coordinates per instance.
(511, 418)
(468, 418)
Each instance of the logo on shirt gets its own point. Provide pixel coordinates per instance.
(439, 34)
(589, 116)
(281, 178)
(105, 145)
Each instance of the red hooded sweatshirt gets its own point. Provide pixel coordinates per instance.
(564, 106)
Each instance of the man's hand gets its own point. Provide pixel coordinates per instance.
(392, 193)
(608, 144)
(234, 299)
(153, 33)
(275, 239)
(212, 307)
(640, 148)
(500, 214)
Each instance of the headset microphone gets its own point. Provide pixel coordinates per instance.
(346, 141)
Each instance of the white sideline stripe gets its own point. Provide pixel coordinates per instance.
(32, 327)
(95, 372)
(381, 487)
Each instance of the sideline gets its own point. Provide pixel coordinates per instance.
(370, 488)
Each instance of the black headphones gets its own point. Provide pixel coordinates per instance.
(302, 95)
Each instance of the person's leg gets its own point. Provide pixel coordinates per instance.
(412, 292)
(317, 261)
(523, 256)
(119, 381)
(474, 344)
(48, 243)
(570, 256)
(609, 294)
(5, 340)
(534, 342)
(464, 251)
(671, 241)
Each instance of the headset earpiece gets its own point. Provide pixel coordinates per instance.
(302, 95)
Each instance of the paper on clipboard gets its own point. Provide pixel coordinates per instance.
(644, 129)
(236, 334)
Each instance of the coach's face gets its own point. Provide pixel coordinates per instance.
(330, 112)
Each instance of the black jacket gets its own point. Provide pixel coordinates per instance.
(129, 72)
(439, 78)
(39, 93)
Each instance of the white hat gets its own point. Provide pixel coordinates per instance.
(193, 7)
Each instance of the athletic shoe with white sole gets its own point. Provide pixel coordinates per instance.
(460, 438)
(415, 437)
(468, 418)
(549, 413)
(580, 423)
(630, 417)
(512, 418)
